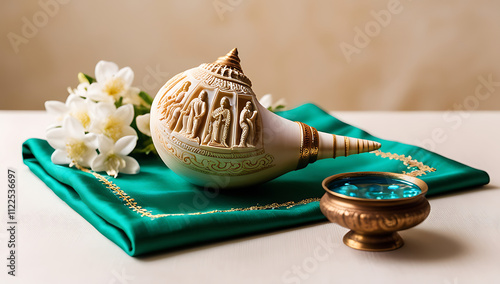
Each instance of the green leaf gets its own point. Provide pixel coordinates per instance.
(145, 143)
(147, 149)
(277, 108)
(146, 97)
(119, 102)
(82, 78)
(140, 110)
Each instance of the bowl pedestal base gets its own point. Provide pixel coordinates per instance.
(373, 242)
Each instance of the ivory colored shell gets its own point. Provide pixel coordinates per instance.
(208, 126)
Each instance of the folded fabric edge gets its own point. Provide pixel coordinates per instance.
(221, 236)
(63, 192)
(125, 242)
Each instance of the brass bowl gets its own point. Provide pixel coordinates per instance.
(374, 222)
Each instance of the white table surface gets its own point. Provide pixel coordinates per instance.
(459, 242)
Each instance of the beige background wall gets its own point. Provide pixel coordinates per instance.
(420, 55)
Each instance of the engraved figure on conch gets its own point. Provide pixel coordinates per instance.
(174, 110)
(247, 124)
(170, 100)
(193, 116)
(218, 129)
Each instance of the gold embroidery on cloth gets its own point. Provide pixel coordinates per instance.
(407, 161)
(133, 205)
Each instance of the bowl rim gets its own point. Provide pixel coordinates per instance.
(395, 176)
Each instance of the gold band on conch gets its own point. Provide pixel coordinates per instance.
(314, 146)
(334, 146)
(346, 144)
(309, 145)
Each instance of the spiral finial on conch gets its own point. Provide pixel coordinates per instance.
(341, 146)
(231, 60)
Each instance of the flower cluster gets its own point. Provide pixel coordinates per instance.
(102, 121)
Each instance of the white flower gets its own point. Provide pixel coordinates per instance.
(113, 83)
(75, 106)
(142, 122)
(59, 109)
(267, 102)
(113, 157)
(72, 145)
(112, 122)
(81, 89)
(81, 109)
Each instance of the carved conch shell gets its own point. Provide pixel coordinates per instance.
(208, 126)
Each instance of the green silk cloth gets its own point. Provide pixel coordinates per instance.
(157, 210)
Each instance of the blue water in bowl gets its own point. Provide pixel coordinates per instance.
(374, 187)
